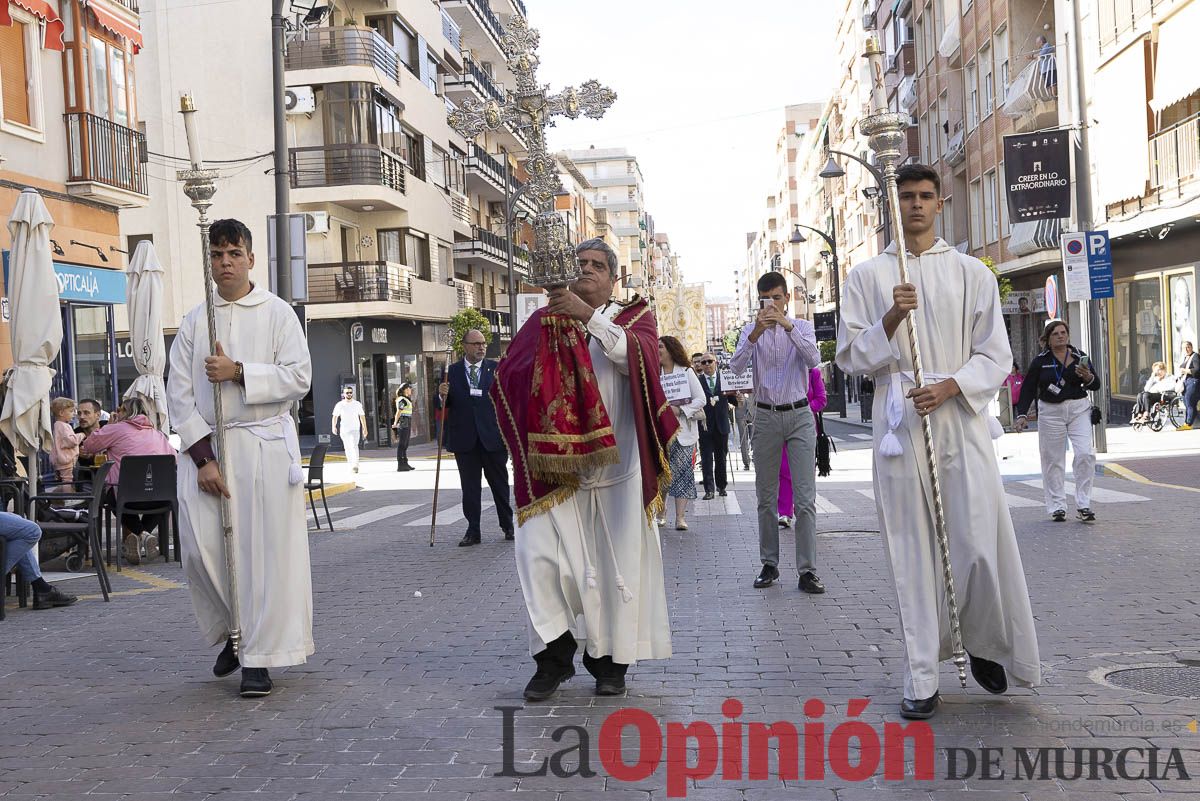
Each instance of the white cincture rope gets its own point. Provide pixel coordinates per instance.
(594, 507)
(266, 431)
(890, 444)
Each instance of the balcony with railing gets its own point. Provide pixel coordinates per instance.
(500, 322)
(474, 81)
(1175, 156)
(104, 161)
(475, 15)
(344, 46)
(451, 31)
(491, 247)
(378, 172)
(359, 282)
(1032, 99)
(465, 292)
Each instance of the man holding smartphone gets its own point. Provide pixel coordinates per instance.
(783, 350)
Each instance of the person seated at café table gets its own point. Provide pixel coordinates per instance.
(130, 433)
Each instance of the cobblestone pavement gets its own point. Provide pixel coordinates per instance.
(116, 701)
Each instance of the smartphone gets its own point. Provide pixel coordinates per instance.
(762, 303)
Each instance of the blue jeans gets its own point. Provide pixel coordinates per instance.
(1191, 395)
(22, 537)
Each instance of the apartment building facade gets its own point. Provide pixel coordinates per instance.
(70, 128)
(618, 190)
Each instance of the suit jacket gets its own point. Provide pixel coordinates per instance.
(471, 419)
(716, 416)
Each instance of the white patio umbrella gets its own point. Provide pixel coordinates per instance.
(144, 294)
(36, 330)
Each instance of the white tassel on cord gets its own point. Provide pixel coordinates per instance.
(591, 575)
(626, 595)
(890, 444)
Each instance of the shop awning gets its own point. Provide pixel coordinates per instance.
(44, 11)
(1122, 137)
(120, 27)
(1175, 73)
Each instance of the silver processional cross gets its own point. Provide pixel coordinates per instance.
(532, 109)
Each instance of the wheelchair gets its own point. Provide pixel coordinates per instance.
(1169, 408)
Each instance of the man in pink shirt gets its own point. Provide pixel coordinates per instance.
(130, 434)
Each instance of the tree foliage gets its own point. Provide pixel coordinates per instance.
(1004, 284)
(464, 321)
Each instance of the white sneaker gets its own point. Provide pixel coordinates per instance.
(133, 550)
(150, 544)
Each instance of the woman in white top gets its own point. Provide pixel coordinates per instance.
(1158, 383)
(689, 410)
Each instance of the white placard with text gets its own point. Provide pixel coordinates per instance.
(676, 387)
(731, 381)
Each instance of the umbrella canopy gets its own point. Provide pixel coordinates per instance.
(36, 326)
(145, 298)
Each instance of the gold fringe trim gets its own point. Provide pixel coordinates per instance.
(544, 504)
(571, 438)
(558, 468)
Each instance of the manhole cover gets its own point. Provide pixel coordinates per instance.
(1182, 681)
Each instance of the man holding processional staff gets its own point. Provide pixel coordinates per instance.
(924, 322)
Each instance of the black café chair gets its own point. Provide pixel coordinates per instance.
(316, 482)
(146, 486)
(83, 532)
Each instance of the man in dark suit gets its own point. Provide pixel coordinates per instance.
(714, 437)
(473, 436)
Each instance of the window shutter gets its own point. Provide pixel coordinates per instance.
(14, 74)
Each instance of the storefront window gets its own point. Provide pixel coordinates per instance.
(1181, 292)
(91, 356)
(1143, 339)
(402, 369)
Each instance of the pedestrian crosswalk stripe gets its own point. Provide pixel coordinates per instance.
(447, 515)
(1013, 501)
(863, 436)
(373, 516)
(1098, 493)
(718, 506)
(825, 507)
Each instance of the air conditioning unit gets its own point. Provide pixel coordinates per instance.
(868, 21)
(299, 100)
(316, 222)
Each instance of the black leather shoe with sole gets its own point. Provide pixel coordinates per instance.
(919, 710)
(49, 600)
(767, 577)
(811, 584)
(226, 662)
(989, 675)
(545, 683)
(256, 682)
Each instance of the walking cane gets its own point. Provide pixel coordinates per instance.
(199, 186)
(886, 132)
(437, 473)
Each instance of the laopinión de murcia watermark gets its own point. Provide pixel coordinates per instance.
(814, 749)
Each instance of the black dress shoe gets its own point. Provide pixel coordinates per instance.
(610, 685)
(708, 496)
(767, 577)
(509, 534)
(989, 675)
(256, 682)
(468, 539)
(919, 710)
(721, 493)
(1058, 515)
(811, 584)
(49, 600)
(226, 661)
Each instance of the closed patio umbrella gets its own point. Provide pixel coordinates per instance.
(144, 295)
(36, 330)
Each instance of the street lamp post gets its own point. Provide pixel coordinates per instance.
(834, 170)
(798, 238)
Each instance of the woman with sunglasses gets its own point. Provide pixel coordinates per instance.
(688, 410)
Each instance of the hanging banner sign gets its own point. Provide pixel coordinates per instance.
(1037, 172)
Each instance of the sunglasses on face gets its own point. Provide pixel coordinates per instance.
(708, 361)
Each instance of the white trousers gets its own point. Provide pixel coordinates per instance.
(350, 438)
(1057, 423)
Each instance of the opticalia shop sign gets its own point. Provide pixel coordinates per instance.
(84, 284)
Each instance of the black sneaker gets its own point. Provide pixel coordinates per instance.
(226, 661)
(49, 600)
(767, 577)
(610, 685)
(1058, 515)
(545, 682)
(811, 584)
(1085, 515)
(256, 682)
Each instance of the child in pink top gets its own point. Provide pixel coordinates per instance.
(64, 448)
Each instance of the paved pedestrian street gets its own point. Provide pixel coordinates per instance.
(420, 649)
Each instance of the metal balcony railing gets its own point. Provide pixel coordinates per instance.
(1175, 154)
(345, 165)
(486, 243)
(481, 161)
(129, 4)
(451, 31)
(488, 18)
(359, 282)
(1036, 83)
(466, 293)
(477, 74)
(103, 151)
(499, 321)
(343, 46)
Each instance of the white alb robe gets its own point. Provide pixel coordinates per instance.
(602, 526)
(274, 579)
(962, 335)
